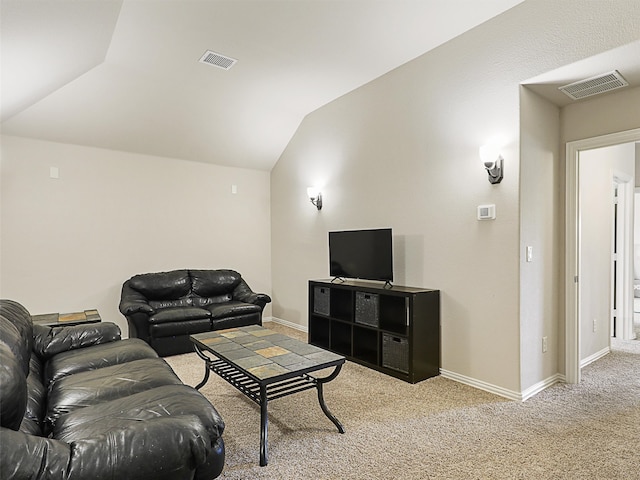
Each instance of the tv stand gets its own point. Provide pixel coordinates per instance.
(393, 330)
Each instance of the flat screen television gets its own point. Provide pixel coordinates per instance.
(362, 254)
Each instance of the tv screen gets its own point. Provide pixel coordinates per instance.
(364, 254)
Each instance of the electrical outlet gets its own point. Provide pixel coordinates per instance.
(544, 344)
(595, 322)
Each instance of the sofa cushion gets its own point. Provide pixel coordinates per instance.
(98, 356)
(99, 386)
(232, 308)
(163, 285)
(186, 327)
(117, 414)
(179, 314)
(236, 321)
(211, 283)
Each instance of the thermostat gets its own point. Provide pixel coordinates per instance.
(486, 212)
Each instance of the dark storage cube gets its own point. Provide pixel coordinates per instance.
(395, 353)
(321, 300)
(367, 309)
(319, 329)
(341, 304)
(365, 344)
(341, 338)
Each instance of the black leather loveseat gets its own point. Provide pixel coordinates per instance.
(78, 403)
(164, 308)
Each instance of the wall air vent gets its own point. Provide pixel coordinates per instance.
(217, 60)
(594, 85)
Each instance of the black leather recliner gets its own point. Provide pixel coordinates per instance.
(78, 403)
(164, 308)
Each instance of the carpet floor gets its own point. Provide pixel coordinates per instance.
(436, 429)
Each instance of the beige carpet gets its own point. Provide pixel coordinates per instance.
(437, 429)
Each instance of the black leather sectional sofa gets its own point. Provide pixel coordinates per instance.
(164, 308)
(79, 403)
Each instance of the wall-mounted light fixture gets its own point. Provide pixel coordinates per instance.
(315, 196)
(493, 162)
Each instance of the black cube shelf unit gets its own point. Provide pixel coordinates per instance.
(395, 330)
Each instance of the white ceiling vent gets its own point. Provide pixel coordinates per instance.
(594, 85)
(217, 60)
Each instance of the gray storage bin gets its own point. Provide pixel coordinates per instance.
(395, 353)
(321, 300)
(367, 307)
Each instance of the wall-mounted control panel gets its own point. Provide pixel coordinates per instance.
(486, 212)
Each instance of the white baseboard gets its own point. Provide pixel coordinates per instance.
(594, 357)
(500, 391)
(487, 387)
(540, 386)
(286, 323)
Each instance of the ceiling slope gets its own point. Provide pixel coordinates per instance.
(44, 45)
(125, 75)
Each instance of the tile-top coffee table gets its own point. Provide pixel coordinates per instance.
(266, 365)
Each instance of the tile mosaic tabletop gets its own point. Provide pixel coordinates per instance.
(262, 352)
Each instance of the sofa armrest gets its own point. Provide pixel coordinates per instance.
(132, 301)
(243, 293)
(130, 307)
(48, 341)
(162, 449)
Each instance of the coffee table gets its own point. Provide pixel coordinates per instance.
(266, 365)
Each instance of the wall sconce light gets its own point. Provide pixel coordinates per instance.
(315, 196)
(493, 162)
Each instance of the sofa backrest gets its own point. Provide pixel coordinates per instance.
(173, 288)
(162, 285)
(16, 340)
(213, 283)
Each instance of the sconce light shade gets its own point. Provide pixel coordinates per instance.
(315, 196)
(493, 163)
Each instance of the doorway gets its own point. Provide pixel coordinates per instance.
(574, 318)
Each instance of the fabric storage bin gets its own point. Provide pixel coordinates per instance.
(367, 307)
(321, 300)
(395, 352)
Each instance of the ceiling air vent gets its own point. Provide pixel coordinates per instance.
(594, 85)
(217, 60)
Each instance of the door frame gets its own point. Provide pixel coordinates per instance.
(572, 242)
(624, 234)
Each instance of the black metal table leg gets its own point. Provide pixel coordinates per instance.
(319, 383)
(207, 370)
(264, 426)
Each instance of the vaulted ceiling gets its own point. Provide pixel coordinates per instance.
(125, 74)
